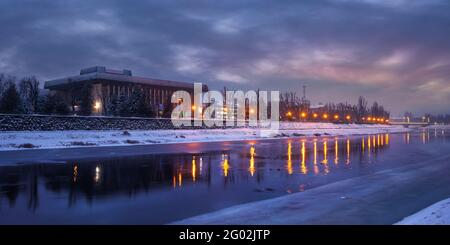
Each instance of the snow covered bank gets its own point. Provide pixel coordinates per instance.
(436, 214)
(19, 140)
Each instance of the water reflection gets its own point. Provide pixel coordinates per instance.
(316, 168)
(303, 168)
(289, 158)
(194, 168)
(325, 152)
(336, 151)
(75, 173)
(290, 165)
(225, 165)
(348, 152)
(252, 169)
(97, 174)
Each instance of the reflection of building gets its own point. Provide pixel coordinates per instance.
(106, 83)
(92, 180)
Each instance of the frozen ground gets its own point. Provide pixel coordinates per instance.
(436, 214)
(64, 139)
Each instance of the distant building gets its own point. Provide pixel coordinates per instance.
(107, 83)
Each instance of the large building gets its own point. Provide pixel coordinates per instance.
(105, 84)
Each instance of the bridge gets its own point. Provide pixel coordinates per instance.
(412, 124)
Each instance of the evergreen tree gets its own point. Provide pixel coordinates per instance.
(86, 100)
(41, 103)
(53, 104)
(168, 107)
(60, 107)
(122, 108)
(137, 104)
(113, 106)
(10, 101)
(48, 104)
(134, 105)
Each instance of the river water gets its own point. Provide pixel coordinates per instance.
(161, 188)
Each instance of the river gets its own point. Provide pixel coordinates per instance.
(158, 188)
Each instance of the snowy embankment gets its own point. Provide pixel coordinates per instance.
(62, 139)
(436, 214)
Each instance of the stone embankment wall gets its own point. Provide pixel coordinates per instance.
(51, 123)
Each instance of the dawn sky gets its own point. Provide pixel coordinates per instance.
(396, 52)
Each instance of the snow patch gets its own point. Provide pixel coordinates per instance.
(436, 214)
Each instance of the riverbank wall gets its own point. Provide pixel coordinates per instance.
(57, 123)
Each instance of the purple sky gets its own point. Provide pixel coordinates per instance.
(394, 51)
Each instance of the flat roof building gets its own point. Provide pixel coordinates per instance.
(105, 84)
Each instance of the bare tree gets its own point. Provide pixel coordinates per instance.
(362, 107)
(2, 84)
(29, 92)
(5, 82)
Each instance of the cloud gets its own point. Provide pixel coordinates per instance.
(190, 59)
(230, 77)
(386, 50)
(397, 58)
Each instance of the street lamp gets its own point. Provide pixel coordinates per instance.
(97, 106)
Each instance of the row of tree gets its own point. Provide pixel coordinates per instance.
(23, 99)
(26, 97)
(294, 108)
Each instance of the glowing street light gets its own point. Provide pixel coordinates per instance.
(315, 115)
(97, 106)
(325, 116)
(336, 117)
(348, 117)
(303, 114)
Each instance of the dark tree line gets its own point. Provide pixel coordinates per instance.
(294, 108)
(134, 105)
(25, 97)
(19, 97)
